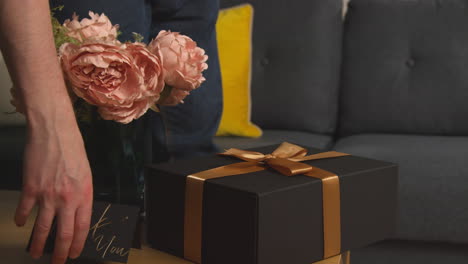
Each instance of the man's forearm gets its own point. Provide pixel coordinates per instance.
(56, 173)
(27, 44)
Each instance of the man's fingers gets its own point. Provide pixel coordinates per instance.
(24, 208)
(65, 231)
(82, 222)
(41, 231)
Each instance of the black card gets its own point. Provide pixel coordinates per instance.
(110, 236)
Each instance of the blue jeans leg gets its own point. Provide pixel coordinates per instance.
(192, 125)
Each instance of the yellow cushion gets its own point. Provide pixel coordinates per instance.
(234, 30)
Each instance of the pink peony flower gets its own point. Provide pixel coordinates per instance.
(123, 81)
(97, 27)
(127, 113)
(150, 67)
(183, 61)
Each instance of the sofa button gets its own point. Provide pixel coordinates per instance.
(265, 62)
(410, 63)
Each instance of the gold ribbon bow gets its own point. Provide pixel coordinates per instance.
(286, 159)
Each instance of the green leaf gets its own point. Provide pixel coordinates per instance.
(137, 37)
(57, 8)
(164, 94)
(155, 108)
(60, 32)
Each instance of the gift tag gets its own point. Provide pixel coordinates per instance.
(110, 236)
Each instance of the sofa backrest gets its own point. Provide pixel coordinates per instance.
(295, 63)
(405, 67)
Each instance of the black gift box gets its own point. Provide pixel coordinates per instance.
(267, 218)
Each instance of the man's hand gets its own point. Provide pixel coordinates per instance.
(58, 179)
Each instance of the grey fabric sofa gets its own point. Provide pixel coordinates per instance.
(389, 83)
(12, 141)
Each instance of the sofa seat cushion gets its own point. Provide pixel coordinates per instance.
(271, 137)
(433, 183)
(12, 142)
(411, 252)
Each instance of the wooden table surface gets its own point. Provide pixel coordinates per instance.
(13, 241)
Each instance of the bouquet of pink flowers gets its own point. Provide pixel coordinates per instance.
(124, 79)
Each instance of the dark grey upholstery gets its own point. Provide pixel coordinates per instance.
(405, 252)
(12, 142)
(433, 187)
(405, 67)
(295, 64)
(404, 70)
(271, 137)
(404, 75)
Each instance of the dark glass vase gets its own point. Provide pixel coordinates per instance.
(117, 154)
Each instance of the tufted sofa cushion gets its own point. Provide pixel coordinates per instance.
(295, 64)
(405, 67)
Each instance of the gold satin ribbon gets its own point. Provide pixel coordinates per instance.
(340, 259)
(286, 159)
